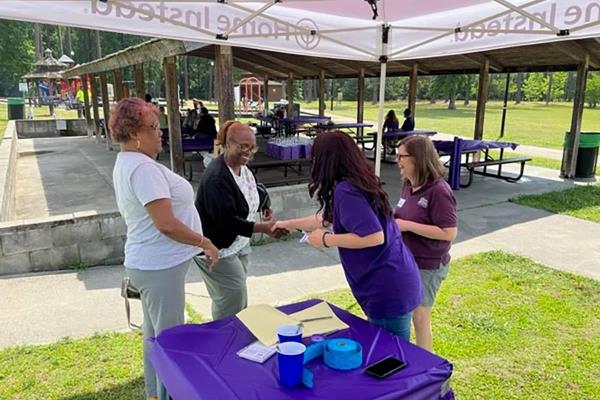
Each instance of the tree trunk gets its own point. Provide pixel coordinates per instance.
(69, 44)
(37, 39)
(98, 45)
(550, 76)
(308, 90)
(452, 101)
(519, 94)
(375, 92)
(60, 41)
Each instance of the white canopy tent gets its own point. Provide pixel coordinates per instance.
(366, 30)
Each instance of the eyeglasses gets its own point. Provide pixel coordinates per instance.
(245, 148)
(401, 156)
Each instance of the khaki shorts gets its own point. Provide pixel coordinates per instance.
(431, 279)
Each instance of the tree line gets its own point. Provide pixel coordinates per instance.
(21, 43)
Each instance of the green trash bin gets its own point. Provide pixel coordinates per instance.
(587, 155)
(16, 108)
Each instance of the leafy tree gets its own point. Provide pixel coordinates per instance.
(16, 45)
(448, 87)
(535, 86)
(592, 92)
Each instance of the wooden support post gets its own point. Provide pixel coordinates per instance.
(290, 95)
(412, 90)
(224, 82)
(266, 102)
(170, 70)
(105, 108)
(140, 84)
(118, 79)
(322, 93)
(482, 95)
(570, 152)
(94, 90)
(86, 104)
(360, 109)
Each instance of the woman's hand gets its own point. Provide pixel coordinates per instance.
(281, 225)
(211, 252)
(315, 239)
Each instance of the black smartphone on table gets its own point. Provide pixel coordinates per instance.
(386, 367)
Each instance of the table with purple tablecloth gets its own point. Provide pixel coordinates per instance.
(293, 151)
(200, 362)
(455, 148)
(390, 138)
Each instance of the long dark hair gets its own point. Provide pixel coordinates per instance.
(335, 158)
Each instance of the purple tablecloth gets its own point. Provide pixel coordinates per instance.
(398, 134)
(200, 362)
(456, 147)
(289, 152)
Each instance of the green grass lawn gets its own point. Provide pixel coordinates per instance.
(512, 328)
(530, 123)
(581, 202)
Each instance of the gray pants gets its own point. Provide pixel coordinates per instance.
(227, 283)
(163, 302)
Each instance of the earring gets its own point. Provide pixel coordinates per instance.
(137, 147)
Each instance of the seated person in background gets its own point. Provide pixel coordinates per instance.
(162, 118)
(391, 122)
(189, 122)
(280, 113)
(409, 122)
(148, 98)
(206, 124)
(197, 104)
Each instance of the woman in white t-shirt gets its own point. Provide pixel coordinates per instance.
(164, 230)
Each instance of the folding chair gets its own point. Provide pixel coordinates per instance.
(128, 291)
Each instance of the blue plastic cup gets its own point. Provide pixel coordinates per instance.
(290, 358)
(289, 333)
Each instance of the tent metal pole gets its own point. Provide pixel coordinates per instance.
(528, 15)
(249, 17)
(382, 72)
(505, 105)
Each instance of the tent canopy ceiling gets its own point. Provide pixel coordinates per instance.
(331, 28)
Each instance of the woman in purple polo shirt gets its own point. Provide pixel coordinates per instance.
(426, 215)
(380, 270)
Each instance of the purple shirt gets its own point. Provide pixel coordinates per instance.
(432, 204)
(384, 279)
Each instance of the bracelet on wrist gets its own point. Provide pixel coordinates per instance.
(323, 238)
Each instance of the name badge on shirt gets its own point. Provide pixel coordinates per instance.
(423, 202)
(401, 202)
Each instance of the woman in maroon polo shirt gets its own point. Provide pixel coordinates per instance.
(426, 215)
(380, 270)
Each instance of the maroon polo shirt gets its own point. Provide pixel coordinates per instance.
(432, 204)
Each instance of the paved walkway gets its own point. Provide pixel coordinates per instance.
(43, 308)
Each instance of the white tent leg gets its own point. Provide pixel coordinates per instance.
(380, 119)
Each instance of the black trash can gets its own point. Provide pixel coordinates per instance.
(587, 155)
(16, 108)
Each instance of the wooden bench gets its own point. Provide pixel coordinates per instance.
(488, 162)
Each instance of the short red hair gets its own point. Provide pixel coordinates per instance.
(128, 116)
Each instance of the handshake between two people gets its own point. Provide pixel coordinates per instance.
(268, 226)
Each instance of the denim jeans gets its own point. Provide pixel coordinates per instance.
(399, 326)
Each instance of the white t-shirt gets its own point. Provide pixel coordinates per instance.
(139, 180)
(247, 184)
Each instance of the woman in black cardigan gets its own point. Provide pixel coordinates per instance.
(228, 202)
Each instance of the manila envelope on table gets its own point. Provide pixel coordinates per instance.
(263, 320)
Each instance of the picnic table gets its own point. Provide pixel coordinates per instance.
(197, 362)
(390, 137)
(290, 126)
(458, 147)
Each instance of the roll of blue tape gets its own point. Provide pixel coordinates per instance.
(340, 354)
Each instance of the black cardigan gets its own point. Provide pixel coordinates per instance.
(222, 207)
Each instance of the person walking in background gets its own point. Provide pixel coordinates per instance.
(426, 215)
(164, 230)
(380, 270)
(229, 205)
(409, 122)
